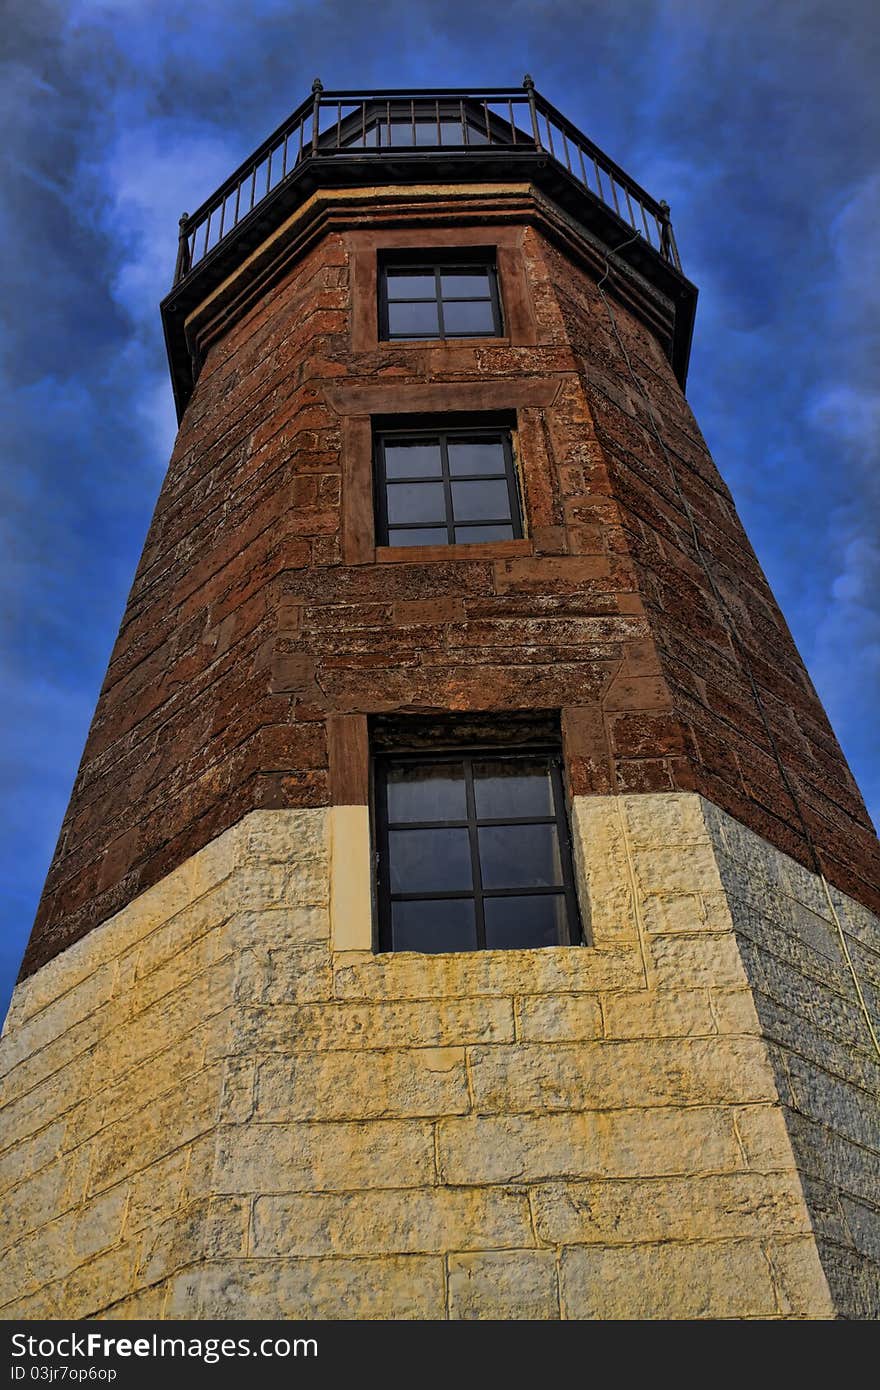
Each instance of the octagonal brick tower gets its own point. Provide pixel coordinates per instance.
(464, 908)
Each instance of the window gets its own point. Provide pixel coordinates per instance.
(473, 851)
(450, 298)
(421, 126)
(445, 487)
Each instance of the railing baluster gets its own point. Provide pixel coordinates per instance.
(317, 89)
(583, 167)
(218, 218)
(529, 86)
(184, 257)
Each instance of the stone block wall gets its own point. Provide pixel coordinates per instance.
(210, 1111)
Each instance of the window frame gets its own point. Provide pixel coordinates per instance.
(467, 754)
(448, 263)
(442, 433)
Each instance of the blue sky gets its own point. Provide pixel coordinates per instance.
(757, 122)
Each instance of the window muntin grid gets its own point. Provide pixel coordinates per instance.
(443, 299)
(473, 851)
(404, 129)
(446, 487)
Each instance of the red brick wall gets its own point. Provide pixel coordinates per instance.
(245, 628)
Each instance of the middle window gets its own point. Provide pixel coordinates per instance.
(446, 486)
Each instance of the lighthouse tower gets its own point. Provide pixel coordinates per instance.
(464, 908)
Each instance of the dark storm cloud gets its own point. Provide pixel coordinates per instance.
(757, 121)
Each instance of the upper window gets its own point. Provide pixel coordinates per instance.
(445, 487)
(473, 851)
(416, 125)
(445, 298)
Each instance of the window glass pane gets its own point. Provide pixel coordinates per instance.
(416, 502)
(511, 789)
(408, 459)
(401, 131)
(513, 923)
(448, 925)
(432, 791)
(429, 861)
(411, 284)
(475, 456)
(465, 283)
(451, 133)
(461, 318)
(520, 856)
(485, 501)
(471, 535)
(477, 135)
(425, 535)
(413, 321)
(426, 132)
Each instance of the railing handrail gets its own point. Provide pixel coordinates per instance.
(431, 93)
(608, 164)
(253, 160)
(304, 123)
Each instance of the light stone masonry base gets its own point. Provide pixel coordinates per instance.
(221, 1103)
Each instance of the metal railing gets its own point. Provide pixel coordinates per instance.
(330, 124)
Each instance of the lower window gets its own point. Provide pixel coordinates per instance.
(473, 851)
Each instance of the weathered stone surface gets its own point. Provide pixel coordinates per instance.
(395, 1024)
(515, 1284)
(731, 1207)
(378, 1223)
(563, 969)
(248, 1120)
(723, 1280)
(556, 1018)
(325, 1157)
(625, 1143)
(620, 1074)
(363, 1085)
(666, 1014)
(403, 1286)
(690, 961)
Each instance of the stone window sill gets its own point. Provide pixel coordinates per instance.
(427, 554)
